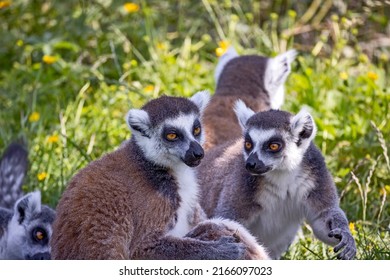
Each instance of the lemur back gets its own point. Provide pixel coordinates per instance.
(25, 224)
(272, 179)
(141, 201)
(256, 80)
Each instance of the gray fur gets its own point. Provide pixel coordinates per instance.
(21, 215)
(292, 185)
(18, 229)
(13, 168)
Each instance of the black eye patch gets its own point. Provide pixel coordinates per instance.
(171, 134)
(196, 128)
(248, 143)
(274, 144)
(39, 235)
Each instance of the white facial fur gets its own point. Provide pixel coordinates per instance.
(150, 141)
(292, 153)
(17, 233)
(277, 71)
(223, 60)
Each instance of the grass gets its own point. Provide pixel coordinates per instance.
(70, 70)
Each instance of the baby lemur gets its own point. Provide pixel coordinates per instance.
(256, 80)
(272, 180)
(26, 229)
(141, 201)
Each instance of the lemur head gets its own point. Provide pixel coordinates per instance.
(274, 140)
(29, 230)
(168, 129)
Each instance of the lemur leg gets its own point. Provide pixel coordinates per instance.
(331, 226)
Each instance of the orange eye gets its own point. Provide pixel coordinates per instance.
(171, 136)
(248, 145)
(274, 147)
(197, 130)
(39, 235)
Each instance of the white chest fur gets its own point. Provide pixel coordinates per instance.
(188, 193)
(282, 197)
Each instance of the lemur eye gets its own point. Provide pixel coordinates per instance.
(39, 234)
(171, 136)
(197, 131)
(248, 145)
(274, 147)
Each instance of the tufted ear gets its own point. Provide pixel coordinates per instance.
(201, 99)
(138, 120)
(276, 73)
(27, 206)
(303, 127)
(243, 113)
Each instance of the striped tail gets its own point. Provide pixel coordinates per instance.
(13, 168)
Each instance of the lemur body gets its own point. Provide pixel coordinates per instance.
(256, 80)
(141, 201)
(25, 224)
(278, 180)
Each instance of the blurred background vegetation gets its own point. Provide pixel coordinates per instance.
(70, 70)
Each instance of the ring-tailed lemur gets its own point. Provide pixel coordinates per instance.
(272, 180)
(141, 201)
(256, 80)
(26, 229)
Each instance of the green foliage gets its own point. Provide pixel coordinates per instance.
(82, 64)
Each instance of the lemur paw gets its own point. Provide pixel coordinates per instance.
(347, 243)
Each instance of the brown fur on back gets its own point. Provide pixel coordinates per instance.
(242, 78)
(98, 216)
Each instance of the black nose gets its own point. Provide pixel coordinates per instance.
(194, 154)
(198, 153)
(40, 256)
(256, 166)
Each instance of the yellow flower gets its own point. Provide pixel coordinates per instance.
(223, 46)
(343, 76)
(372, 76)
(42, 176)
(161, 46)
(5, 4)
(49, 59)
(352, 228)
(131, 7)
(34, 117)
(149, 88)
(19, 43)
(53, 139)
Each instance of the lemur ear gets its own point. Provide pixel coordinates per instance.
(243, 113)
(303, 127)
(201, 99)
(276, 73)
(138, 120)
(26, 206)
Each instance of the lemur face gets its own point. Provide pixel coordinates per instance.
(168, 129)
(274, 140)
(30, 229)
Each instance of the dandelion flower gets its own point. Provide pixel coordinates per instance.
(42, 176)
(52, 139)
(34, 117)
(131, 7)
(352, 228)
(343, 76)
(223, 46)
(49, 59)
(372, 76)
(5, 4)
(149, 88)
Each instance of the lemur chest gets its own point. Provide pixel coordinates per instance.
(188, 197)
(282, 200)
